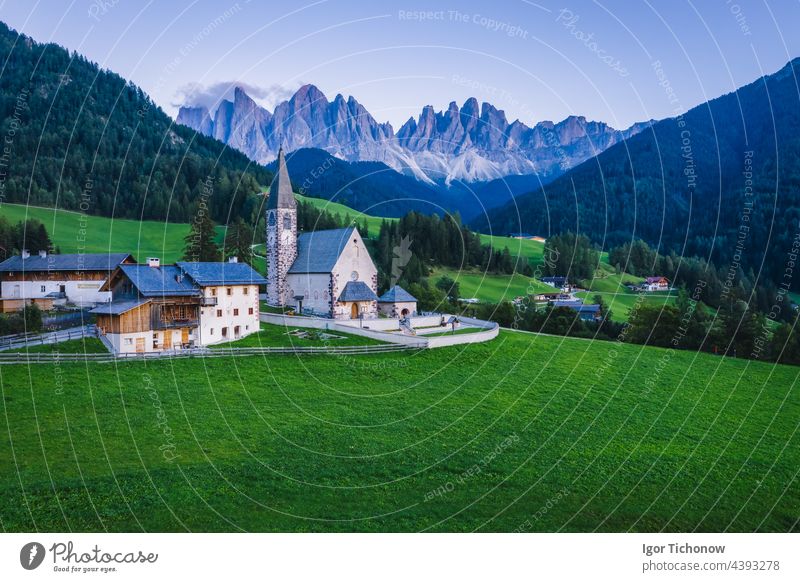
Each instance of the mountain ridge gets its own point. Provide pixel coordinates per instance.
(471, 143)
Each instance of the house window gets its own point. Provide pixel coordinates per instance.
(128, 341)
(219, 313)
(246, 290)
(235, 311)
(211, 331)
(247, 327)
(42, 288)
(229, 290)
(213, 291)
(249, 311)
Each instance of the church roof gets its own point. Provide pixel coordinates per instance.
(397, 295)
(357, 291)
(280, 191)
(317, 252)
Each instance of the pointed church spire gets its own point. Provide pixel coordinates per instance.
(280, 191)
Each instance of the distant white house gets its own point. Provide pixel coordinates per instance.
(561, 283)
(655, 284)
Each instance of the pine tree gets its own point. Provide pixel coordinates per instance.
(200, 243)
(239, 241)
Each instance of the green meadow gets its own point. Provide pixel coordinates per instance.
(279, 336)
(73, 232)
(523, 433)
(489, 287)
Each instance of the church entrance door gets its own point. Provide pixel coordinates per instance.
(354, 311)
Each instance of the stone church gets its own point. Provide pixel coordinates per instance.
(327, 273)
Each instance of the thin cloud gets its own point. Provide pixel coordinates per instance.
(210, 96)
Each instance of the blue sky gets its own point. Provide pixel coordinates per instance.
(536, 60)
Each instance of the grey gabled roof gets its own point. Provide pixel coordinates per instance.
(205, 274)
(280, 191)
(159, 281)
(357, 291)
(397, 295)
(73, 262)
(317, 252)
(118, 307)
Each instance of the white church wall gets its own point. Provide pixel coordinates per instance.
(355, 264)
(396, 309)
(315, 289)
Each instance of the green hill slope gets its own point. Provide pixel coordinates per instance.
(73, 232)
(655, 441)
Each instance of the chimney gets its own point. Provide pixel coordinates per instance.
(233, 259)
(153, 261)
(25, 253)
(43, 254)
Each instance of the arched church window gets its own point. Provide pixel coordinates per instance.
(271, 220)
(316, 295)
(354, 276)
(287, 222)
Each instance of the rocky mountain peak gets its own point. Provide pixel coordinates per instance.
(475, 142)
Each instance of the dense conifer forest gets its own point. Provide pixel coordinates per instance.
(78, 137)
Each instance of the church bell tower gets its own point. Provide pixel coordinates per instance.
(281, 234)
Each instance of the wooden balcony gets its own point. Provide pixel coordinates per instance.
(174, 316)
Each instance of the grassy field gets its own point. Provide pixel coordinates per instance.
(530, 249)
(74, 233)
(490, 287)
(86, 345)
(525, 432)
(373, 222)
(279, 336)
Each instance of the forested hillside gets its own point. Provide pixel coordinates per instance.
(721, 182)
(371, 187)
(82, 138)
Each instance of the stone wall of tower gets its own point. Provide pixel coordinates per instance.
(281, 252)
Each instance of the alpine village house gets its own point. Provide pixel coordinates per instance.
(48, 280)
(189, 304)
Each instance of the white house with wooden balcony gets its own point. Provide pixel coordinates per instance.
(171, 307)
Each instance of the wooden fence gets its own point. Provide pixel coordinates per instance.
(22, 341)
